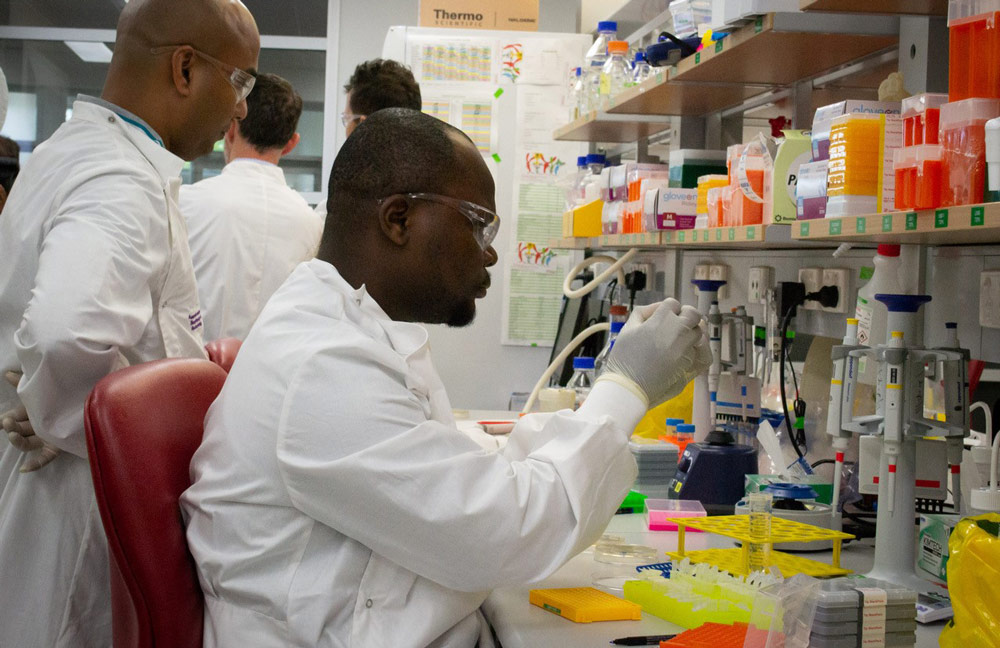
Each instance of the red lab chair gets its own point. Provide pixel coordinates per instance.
(143, 424)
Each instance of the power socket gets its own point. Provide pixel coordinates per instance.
(701, 271)
(812, 279)
(989, 299)
(838, 277)
(720, 272)
(760, 280)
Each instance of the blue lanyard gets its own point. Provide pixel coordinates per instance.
(145, 129)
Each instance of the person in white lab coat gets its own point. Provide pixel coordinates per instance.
(334, 502)
(97, 275)
(247, 228)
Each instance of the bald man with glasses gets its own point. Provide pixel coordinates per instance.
(98, 276)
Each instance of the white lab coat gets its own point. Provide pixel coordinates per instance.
(248, 230)
(96, 274)
(335, 504)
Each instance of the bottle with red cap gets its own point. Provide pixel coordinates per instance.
(871, 314)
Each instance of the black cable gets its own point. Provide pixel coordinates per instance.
(821, 462)
(781, 377)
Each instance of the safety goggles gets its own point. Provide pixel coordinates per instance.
(347, 118)
(487, 222)
(241, 80)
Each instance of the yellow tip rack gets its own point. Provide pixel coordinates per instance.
(585, 604)
(738, 528)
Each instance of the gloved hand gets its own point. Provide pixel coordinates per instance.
(659, 351)
(22, 435)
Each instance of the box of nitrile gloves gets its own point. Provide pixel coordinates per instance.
(932, 545)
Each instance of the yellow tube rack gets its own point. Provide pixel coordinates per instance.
(737, 527)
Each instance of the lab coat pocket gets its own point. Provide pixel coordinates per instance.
(380, 612)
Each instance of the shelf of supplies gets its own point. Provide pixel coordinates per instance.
(774, 50)
(601, 127)
(962, 225)
(904, 7)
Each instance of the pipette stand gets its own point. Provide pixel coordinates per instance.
(703, 409)
(899, 420)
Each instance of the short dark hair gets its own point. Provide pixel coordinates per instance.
(395, 150)
(273, 111)
(382, 83)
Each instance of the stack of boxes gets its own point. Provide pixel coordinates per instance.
(657, 462)
(857, 612)
(917, 164)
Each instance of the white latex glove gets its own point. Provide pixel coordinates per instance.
(22, 435)
(659, 351)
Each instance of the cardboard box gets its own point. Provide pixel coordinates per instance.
(932, 545)
(676, 209)
(515, 15)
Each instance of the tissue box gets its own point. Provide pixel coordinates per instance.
(676, 209)
(779, 192)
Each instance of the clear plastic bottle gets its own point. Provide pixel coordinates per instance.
(577, 97)
(591, 182)
(641, 69)
(602, 357)
(575, 191)
(582, 380)
(607, 31)
(873, 318)
(759, 553)
(617, 73)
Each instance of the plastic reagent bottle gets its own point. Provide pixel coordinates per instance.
(602, 357)
(592, 181)
(641, 70)
(617, 73)
(607, 31)
(582, 380)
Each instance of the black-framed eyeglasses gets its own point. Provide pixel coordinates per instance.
(241, 80)
(487, 221)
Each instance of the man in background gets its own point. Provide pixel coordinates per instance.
(9, 166)
(378, 84)
(247, 228)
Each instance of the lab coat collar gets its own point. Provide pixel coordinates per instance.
(406, 338)
(252, 166)
(167, 165)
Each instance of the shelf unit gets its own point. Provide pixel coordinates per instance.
(903, 7)
(774, 51)
(961, 225)
(747, 237)
(602, 127)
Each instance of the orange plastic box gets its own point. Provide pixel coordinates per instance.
(963, 140)
(973, 49)
(921, 118)
(918, 177)
(710, 635)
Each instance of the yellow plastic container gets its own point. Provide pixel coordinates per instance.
(705, 183)
(587, 219)
(585, 604)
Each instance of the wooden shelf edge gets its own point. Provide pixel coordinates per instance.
(958, 225)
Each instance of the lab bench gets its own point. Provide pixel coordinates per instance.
(519, 624)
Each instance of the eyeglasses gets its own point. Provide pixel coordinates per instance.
(241, 80)
(487, 222)
(347, 118)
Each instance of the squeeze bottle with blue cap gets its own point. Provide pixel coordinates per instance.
(582, 380)
(618, 314)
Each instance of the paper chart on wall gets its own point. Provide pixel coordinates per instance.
(540, 111)
(472, 112)
(440, 59)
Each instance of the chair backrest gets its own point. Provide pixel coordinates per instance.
(223, 352)
(143, 425)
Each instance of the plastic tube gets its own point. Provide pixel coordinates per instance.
(560, 359)
(615, 267)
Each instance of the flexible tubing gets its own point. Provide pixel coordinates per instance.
(615, 267)
(560, 359)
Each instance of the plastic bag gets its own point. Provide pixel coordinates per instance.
(974, 583)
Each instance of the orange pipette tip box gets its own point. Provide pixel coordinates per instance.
(585, 604)
(710, 635)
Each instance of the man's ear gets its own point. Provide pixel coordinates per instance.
(180, 69)
(394, 219)
(291, 144)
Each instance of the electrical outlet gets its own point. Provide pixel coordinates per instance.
(812, 279)
(838, 277)
(760, 280)
(701, 271)
(720, 272)
(989, 299)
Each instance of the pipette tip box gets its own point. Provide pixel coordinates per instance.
(659, 510)
(585, 604)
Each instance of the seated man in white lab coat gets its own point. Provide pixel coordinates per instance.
(96, 276)
(334, 501)
(247, 228)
